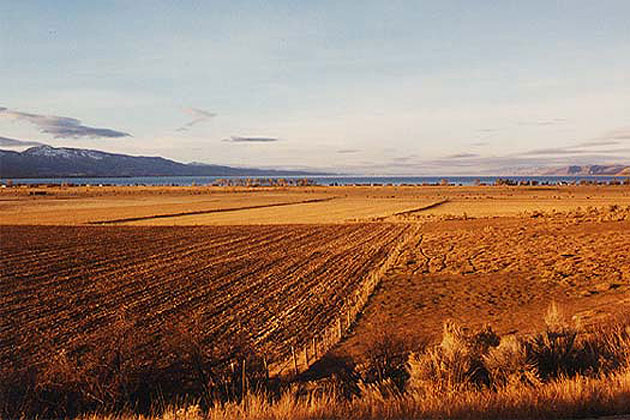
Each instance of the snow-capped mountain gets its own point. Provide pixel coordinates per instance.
(63, 152)
(47, 161)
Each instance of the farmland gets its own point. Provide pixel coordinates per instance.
(207, 205)
(186, 206)
(272, 287)
(111, 295)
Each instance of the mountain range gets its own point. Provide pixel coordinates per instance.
(47, 162)
(584, 170)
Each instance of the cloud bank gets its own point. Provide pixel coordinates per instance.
(61, 127)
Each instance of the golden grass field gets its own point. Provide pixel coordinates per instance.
(268, 205)
(111, 294)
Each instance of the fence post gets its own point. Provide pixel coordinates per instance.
(244, 380)
(266, 368)
(295, 365)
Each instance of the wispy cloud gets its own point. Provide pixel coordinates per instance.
(622, 134)
(462, 156)
(588, 152)
(344, 151)
(410, 157)
(612, 138)
(607, 149)
(515, 163)
(237, 139)
(61, 127)
(566, 151)
(598, 142)
(402, 159)
(9, 142)
(550, 121)
(199, 116)
(484, 134)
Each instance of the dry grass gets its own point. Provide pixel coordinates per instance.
(75, 207)
(570, 398)
(206, 205)
(501, 271)
(566, 398)
(78, 205)
(560, 372)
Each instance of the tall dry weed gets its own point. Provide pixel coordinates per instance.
(508, 363)
(385, 359)
(456, 362)
(562, 371)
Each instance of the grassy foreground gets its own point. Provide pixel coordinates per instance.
(566, 398)
(561, 372)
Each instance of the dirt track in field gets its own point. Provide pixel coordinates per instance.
(199, 212)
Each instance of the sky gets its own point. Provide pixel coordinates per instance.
(360, 87)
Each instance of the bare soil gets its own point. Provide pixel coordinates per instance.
(503, 272)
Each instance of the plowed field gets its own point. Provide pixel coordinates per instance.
(273, 286)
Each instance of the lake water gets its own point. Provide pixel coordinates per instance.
(320, 180)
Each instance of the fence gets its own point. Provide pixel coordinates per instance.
(303, 357)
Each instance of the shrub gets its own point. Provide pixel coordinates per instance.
(508, 363)
(559, 350)
(386, 360)
(456, 362)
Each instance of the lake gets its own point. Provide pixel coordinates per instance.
(320, 180)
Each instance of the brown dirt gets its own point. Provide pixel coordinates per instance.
(272, 286)
(504, 272)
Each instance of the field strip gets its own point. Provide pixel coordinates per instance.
(301, 359)
(411, 211)
(419, 209)
(197, 212)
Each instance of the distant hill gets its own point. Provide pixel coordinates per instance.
(577, 170)
(48, 162)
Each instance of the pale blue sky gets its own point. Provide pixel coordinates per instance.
(391, 87)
